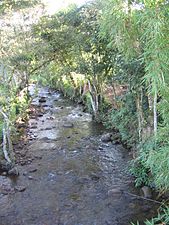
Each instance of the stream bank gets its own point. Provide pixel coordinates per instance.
(68, 175)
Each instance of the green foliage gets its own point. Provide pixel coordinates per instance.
(104, 114)
(141, 173)
(157, 160)
(151, 166)
(142, 38)
(87, 102)
(125, 119)
(6, 5)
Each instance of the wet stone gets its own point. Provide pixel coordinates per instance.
(48, 128)
(106, 137)
(42, 99)
(33, 117)
(94, 177)
(50, 118)
(5, 186)
(38, 157)
(20, 188)
(21, 125)
(23, 163)
(44, 139)
(114, 192)
(147, 192)
(5, 166)
(14, 172)
(25, 173)
(68, 125)
(4, 174)
(32, 170)
(40, 114)
(33, 127)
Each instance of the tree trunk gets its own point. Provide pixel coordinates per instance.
(155, 113)
(139, 103)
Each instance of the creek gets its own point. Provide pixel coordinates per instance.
(70, 176)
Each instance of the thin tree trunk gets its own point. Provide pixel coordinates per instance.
(5, 146)
(139, 103)
(139, 118)
(155, 113)
(92, 99)
(6, 138)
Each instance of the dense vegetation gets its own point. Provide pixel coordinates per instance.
(110, 55)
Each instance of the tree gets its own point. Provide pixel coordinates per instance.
(14, 61)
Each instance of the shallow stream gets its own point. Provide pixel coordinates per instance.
(72, 177)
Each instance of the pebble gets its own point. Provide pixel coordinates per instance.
(68, 125)
(20, 188)
(32, 170)
(25, 173)
(115, 191)
(38, 156)
(50, 118)
(94, 177)
(22, 163)
(4, 174)
(39, 114)
(42, 100)
(106, 137)
(33, 127)
(48, 128)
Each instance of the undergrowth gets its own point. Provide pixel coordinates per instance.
(161, 219)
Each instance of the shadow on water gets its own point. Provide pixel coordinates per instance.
(78, 180)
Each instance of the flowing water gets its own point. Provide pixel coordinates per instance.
(73, 178)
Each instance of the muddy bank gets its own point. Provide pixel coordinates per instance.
(68, 174)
